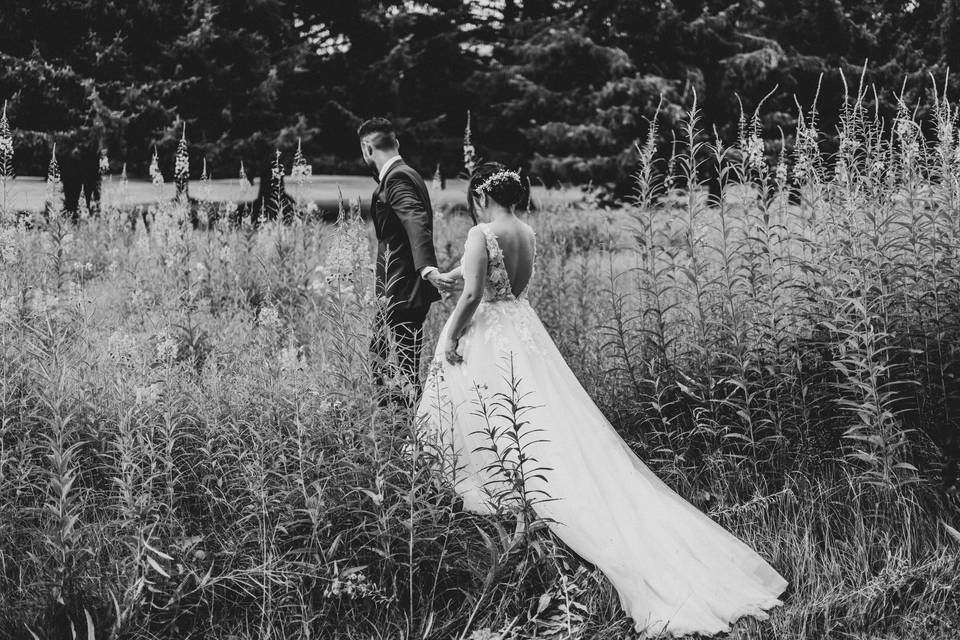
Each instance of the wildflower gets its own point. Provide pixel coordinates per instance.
(104, 164)
(841, 175)
(181, 170)
(437, 183)
(54, 184)
(352, 585)
(348, 251)
(155, 174)
(147, 395)
(276, 170)
(6, 145)
(848, 144)
(781, 173)
(754, 152)
(301, 168)
(903, 127)
(469, 151)
(9, 251)
(226, 253)
(269, 318)
(121, 347)
(167, 347)
(205, 181)
(289, 358)
(84, 210)
(244, 180)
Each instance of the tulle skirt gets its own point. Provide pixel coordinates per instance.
(519, 423)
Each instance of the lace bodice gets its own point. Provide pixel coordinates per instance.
(498, 285)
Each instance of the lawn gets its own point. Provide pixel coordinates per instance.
(29, 193)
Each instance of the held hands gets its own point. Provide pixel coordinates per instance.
(444, 282)
(450, 351)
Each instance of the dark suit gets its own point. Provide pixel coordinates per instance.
(403, 221)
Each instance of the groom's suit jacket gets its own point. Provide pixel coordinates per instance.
(403, 220)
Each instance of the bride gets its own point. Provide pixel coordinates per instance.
(501, 397)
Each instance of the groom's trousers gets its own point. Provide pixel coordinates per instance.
(396, 347)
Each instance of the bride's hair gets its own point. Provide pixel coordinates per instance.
(503, 186)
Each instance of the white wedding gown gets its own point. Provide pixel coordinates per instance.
(676, 571)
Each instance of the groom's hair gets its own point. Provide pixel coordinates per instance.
(381, 133)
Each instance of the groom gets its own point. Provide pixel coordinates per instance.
(407, 274)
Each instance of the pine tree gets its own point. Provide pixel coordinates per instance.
(950, 33)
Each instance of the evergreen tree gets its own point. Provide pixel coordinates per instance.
(950, 33)
(560, 86)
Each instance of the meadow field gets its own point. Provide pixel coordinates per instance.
(191, 445)
(324, 191)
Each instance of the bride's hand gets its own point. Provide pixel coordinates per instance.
(450, 352)
(455, 275)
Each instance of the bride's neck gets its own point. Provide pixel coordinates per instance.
(500, 213)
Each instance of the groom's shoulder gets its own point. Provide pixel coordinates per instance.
(403, 171)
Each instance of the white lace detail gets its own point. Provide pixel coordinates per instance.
(498, 280)
(516, 312)
(498, 285)
(499, 305)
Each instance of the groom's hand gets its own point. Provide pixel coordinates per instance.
(443, 282)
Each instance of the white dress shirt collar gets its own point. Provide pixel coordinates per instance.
(386, 166)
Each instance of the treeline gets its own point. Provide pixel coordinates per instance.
(559, 87)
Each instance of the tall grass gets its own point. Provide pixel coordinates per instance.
(191, 444)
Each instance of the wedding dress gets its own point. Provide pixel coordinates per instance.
(676, 571)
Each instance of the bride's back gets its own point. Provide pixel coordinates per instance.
(517, 243)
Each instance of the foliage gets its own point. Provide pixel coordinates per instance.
(560, 87)
(191, 444)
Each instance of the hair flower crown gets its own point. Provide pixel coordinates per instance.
(497, 178)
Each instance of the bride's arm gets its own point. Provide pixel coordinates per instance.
(474, 276)
(456, 273)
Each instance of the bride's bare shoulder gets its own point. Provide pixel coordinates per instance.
(476, 237)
